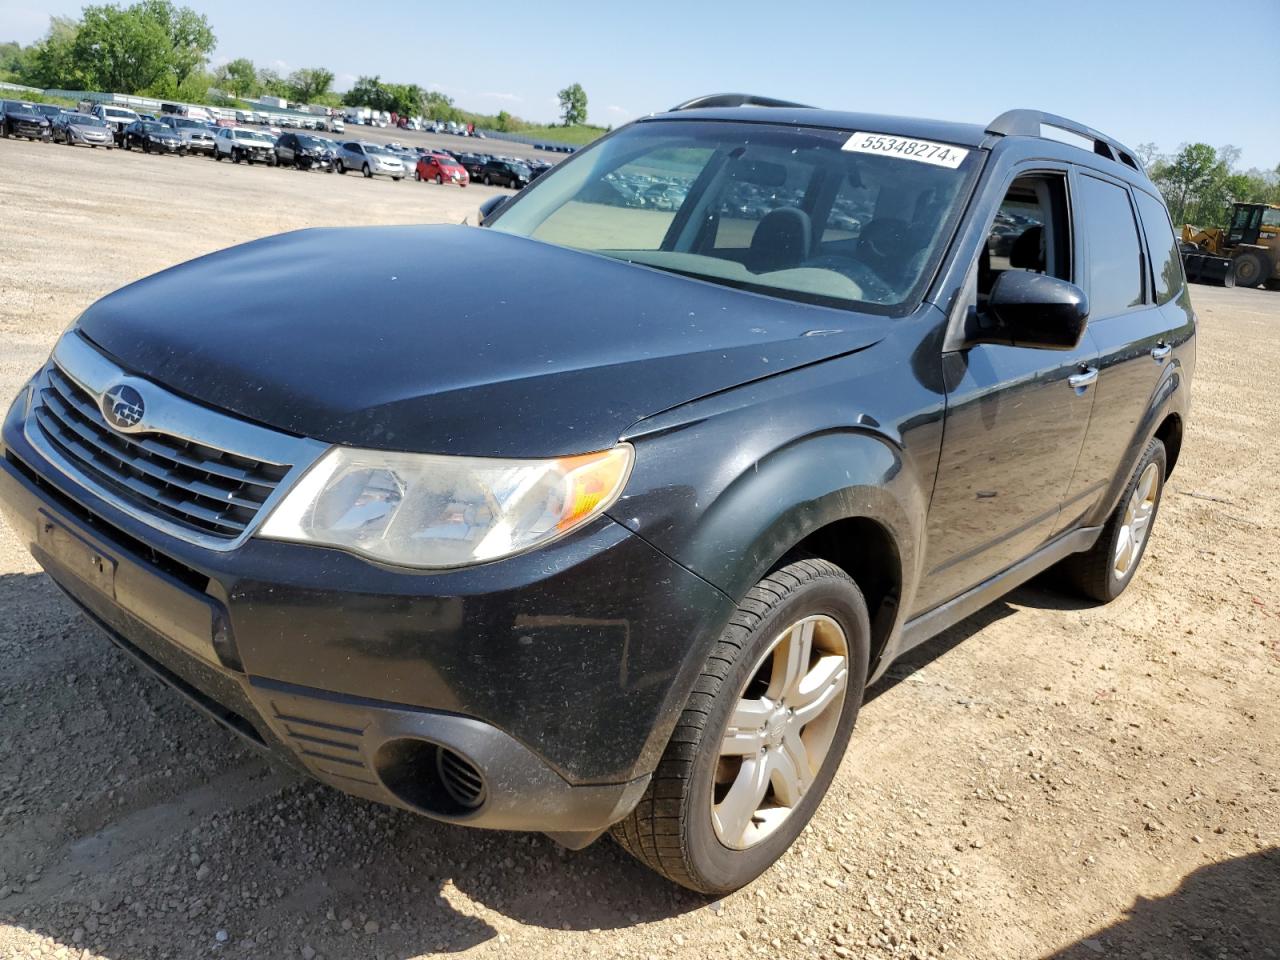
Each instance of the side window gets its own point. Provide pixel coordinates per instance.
(1166, 263)
(1115, 257)
(1030, 232)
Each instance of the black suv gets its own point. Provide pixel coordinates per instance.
(623, 550)
(505, 173)
(304, 152)
(21, 119)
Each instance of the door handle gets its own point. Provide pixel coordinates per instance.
(1084, 379)
(1160, 352)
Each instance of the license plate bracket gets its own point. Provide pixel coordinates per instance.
(76, 555)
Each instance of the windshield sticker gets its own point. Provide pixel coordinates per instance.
(922, 151)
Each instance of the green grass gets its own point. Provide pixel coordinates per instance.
(578, 136)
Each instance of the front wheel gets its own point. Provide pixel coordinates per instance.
(439, 180)
(366, 171)
(488, 182)
(1102, 572)
(762, 734)
(1252, 268)
(342, 167)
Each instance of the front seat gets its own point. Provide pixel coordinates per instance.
(1027, 252)
(781, 241)
(887, 245)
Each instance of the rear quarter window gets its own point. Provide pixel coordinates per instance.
(1166, 263)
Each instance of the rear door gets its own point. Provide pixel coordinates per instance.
(1016, 416)
(1139, 311)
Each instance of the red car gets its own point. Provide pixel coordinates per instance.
(441, 169)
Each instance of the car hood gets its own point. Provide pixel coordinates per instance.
(452, 339)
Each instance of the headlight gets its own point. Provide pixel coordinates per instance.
(427, 510)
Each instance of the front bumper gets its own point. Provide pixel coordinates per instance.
(201, 146)
(92, 138)
(556, 676)
(25, 128)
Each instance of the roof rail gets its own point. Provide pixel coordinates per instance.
(735, 100)
(1028, 123)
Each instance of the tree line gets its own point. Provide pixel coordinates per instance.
(1201, 183)
(156, 49)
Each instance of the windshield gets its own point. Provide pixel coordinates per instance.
(804, 213)
(84, 120)
(121, 114)
(150, 127)
(379, 151)
(312, 143)
(187, 124)
(252, 135)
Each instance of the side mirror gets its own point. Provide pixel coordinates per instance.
(1033, 310)
(490, 208)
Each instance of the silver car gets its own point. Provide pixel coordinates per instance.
(371, 159)
(73, 128)
(194, 133)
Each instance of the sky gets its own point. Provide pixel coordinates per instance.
(1139, 70)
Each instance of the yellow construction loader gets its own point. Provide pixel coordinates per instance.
(1246, 254)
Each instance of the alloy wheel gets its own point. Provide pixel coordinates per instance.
(1137, 521)
(780, 732)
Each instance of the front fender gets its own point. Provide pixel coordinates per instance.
(756, 501)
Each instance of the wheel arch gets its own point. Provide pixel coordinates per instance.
(847, 495)
(1170, 434)
(867, 551)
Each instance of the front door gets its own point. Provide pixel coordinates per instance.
(1016, 417)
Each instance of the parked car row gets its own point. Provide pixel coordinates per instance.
(109, 126)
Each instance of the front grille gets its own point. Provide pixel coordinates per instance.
(200, 488)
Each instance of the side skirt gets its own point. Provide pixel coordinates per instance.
(930, 624)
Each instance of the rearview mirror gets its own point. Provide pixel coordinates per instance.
(761, 173)
(490, 208)
(1033, 310)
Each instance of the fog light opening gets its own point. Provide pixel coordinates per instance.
(431, 777)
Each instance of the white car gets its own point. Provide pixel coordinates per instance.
(371, 159)
(240, 145)
(116, 118)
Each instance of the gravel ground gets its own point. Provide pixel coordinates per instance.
(1045, 779)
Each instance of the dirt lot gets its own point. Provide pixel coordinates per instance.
(1045, 779)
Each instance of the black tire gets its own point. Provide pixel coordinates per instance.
(439, 180)
(1273, 284)
(217, 156)
(1252, 268)
(368, 174)
(1093, 572)
(487, 181)
(342, 167)
(671, 830)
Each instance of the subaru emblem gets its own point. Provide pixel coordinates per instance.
(123, 406)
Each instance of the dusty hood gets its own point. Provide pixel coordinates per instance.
(451, 339)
